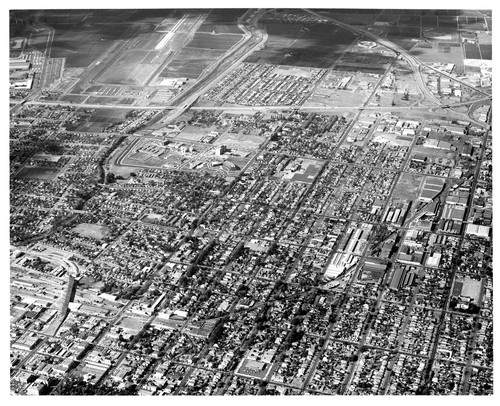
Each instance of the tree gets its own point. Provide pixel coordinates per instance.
(110, 177)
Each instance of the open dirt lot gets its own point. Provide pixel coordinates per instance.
(91, 230)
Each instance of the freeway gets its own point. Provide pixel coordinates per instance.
(258, 108)
(338, 108)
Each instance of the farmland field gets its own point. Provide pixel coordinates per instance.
(486, 51)
(446, 21)
(472, 51)
(488, 22)
(354, 18)
(473, 23)
(429, 21)
(408, 186)
(82, 35)
(391, 19)
(211, 41)
(404, 32)
(410, 20)
(80, 44)
(319, 46)
(222, 21)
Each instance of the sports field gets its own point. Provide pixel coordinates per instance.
(33, 172)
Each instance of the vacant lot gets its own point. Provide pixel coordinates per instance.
(127, 71)
(94, 231)
(408, 186)
(193, 133)
(243, 141)
(122, 68)
(186, 69)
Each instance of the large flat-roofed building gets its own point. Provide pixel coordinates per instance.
(480, 231)
(21, 84)
(403, 276)
(19, 64)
